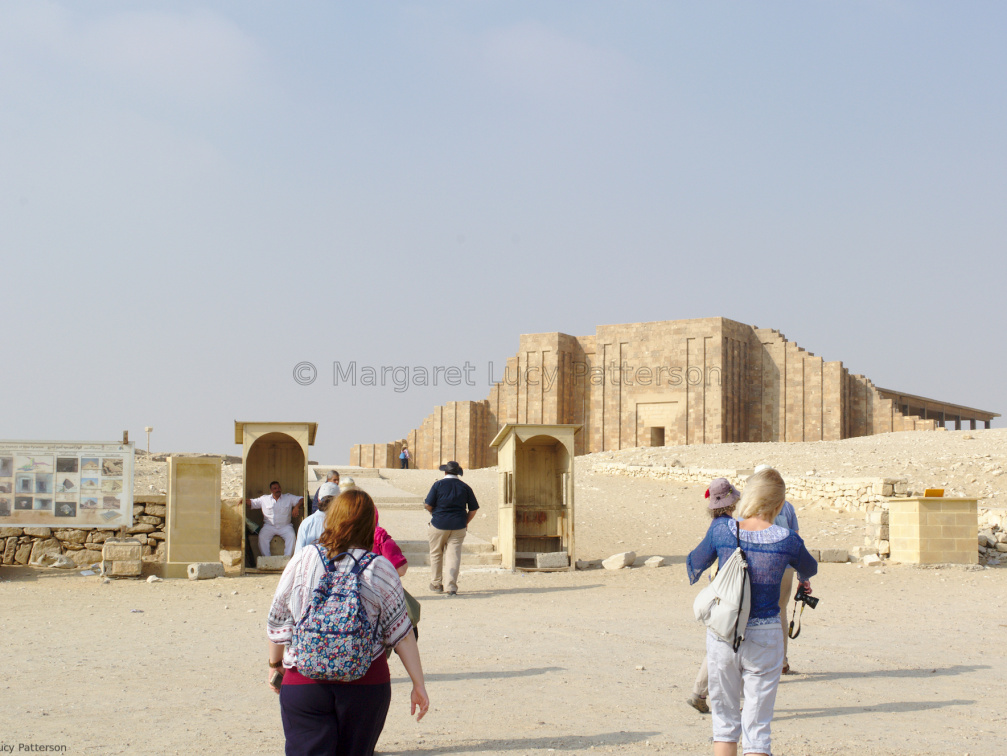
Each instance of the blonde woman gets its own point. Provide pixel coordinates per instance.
(754, 671)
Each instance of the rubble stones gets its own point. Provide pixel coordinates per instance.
(552, 560)
(39, 532)
(205, 570)
(48, 546)
(230, 558)
(85, 558)
(71, 536)
(655, 561)
(618, 561)
(158, 510)
(122, 569)
(272, 562)
(834, 555)
(8, 532)
(143, 527)
(118, 550)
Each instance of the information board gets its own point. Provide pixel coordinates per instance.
(66, 484)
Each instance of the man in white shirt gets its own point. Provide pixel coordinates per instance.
(277, 510)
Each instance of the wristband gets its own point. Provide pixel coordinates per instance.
(275, 666)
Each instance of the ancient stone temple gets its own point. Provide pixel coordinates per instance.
(703, 381)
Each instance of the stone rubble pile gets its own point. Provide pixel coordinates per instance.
(992, 535)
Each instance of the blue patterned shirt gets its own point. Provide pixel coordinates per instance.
(769, 553)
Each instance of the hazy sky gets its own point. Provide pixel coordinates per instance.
(195, 197)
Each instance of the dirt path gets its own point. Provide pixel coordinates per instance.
(895, 661)
(899, 662)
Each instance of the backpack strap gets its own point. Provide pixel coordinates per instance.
(359, 565)
(744, 559)
(330, 564)
(363, 563)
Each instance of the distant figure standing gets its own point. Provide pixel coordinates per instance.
(277, 510)
(404, 458)
(453, 505)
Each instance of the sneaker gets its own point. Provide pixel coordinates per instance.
(698, 703)
(436, 588)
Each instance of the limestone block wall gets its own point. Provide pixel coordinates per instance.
(933, 531)
(876, 535)
(667, 383)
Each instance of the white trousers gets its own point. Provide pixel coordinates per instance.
(753, 672)
(267, 533)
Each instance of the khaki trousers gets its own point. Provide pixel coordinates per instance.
(702, 685)
(786, 594)
(445, 556)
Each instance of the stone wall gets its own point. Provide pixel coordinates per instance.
(849, 494)
(709, 380)
(21, 546)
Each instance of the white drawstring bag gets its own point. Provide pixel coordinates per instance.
(724, 605)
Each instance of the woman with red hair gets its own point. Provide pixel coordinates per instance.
(341, 718)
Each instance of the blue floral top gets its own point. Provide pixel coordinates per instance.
(769, 553)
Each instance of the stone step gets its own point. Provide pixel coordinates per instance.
(488, 559)
(474, 553)
(422, 547)
(320, 471)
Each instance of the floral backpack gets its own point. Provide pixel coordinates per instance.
(335, 639)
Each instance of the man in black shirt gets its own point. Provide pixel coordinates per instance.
(453, 505)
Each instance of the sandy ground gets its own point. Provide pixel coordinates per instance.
(897, 660)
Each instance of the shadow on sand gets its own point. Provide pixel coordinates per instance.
(498, 675)
(463, 594)
(895, 707)
(884, 674)
(557, 743)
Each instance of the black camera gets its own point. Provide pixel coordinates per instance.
(810, 601)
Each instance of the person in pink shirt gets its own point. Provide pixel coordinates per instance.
(384, 545)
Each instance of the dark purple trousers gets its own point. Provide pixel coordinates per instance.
(333, 720)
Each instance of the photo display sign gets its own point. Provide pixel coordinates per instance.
(65, 484)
